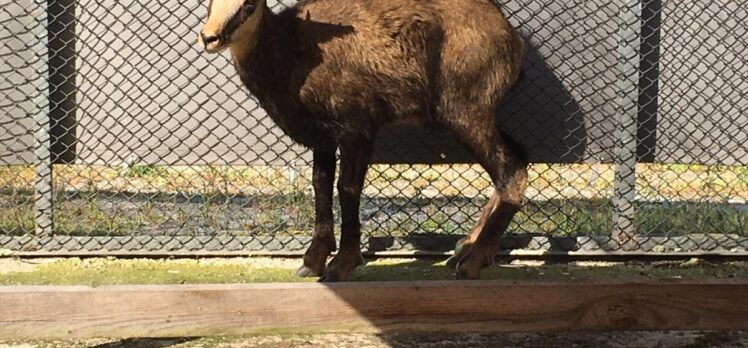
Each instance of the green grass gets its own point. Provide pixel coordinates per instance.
(294, 214)
(96, 272)
(145, 271)
(76, 219)
(140, 171)
(681, 219)
(93, 201)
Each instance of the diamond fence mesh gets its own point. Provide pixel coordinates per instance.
(118, 136)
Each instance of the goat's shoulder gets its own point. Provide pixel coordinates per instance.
(364, 15)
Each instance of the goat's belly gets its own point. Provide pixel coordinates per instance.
(303, 133)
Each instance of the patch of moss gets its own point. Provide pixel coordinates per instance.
(96, 272)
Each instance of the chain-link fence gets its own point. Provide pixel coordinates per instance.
(118, 135)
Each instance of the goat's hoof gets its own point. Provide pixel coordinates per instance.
(467, 274)
(341, 266)
(329, 277)
(453, 261)
(334, 275)
(469, 265)
(305, 271)
(462, 250)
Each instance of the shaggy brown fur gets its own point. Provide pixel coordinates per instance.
(331, 73)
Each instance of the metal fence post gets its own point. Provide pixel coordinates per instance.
(61, 47)
(628, 95)
(43, 207)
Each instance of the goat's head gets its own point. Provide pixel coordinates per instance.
(230, 21)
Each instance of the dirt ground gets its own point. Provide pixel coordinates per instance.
(660, 339)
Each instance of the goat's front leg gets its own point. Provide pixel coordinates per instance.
(354, 161)
(323, 239)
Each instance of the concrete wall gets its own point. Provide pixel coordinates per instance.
(147, 94)
(19, 57)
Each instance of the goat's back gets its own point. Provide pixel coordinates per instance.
(402, 56)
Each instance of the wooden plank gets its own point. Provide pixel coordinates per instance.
(197, 310)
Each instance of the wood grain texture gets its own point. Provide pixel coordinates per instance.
(197, 310)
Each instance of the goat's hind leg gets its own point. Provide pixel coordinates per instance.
(323, 239)
(506, 163)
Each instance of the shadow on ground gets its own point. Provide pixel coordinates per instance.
(663, 339)
(157, 342)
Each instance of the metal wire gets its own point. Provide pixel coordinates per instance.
(117, 135)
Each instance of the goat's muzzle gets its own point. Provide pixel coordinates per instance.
(212, 43)
(208, 39)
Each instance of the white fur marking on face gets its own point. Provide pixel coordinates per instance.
(221, 12)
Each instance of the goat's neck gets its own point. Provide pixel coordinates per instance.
(263, 61)
(270, 68)
(244, 45)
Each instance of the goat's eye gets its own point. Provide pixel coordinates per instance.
(249, 5)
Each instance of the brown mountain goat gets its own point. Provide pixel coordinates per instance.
(331, 73)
